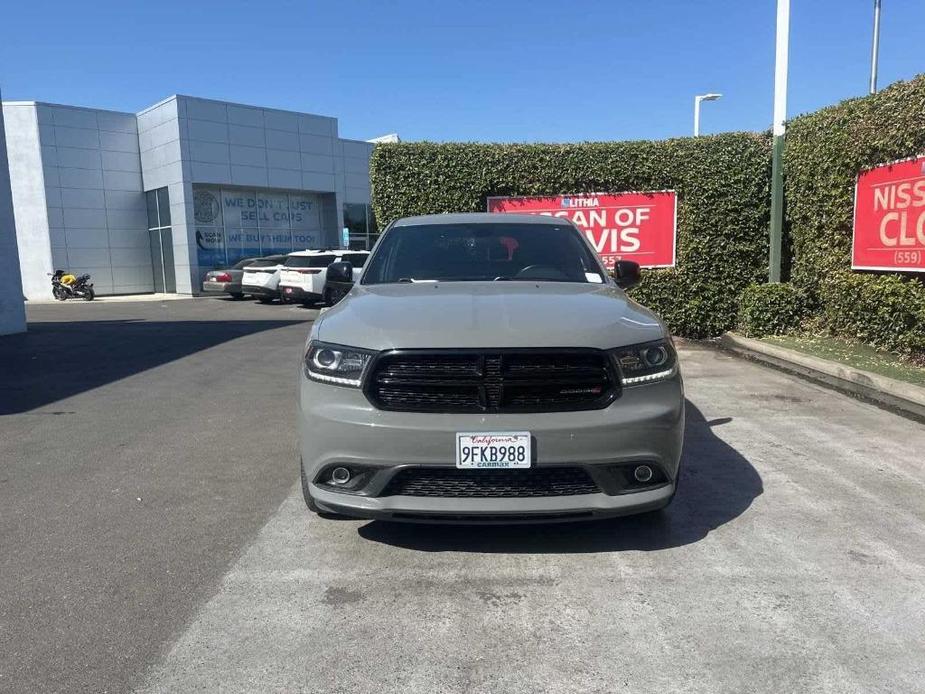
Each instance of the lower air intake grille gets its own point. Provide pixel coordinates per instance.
(455, 483)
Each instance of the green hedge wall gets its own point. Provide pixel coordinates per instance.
(771, 309)
(824, 152)
(723, 204)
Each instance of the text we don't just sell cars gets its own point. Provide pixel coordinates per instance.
(487, 368)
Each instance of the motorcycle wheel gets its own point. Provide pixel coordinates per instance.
(89, 294)
(59, 294)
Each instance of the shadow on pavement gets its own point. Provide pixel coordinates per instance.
(59, 359)
(717, 485)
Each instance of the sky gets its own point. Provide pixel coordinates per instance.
(469, 70)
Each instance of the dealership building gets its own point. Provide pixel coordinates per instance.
(12, 315)
(150, 201)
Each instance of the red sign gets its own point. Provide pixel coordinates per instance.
(889, 217)
(620, 226)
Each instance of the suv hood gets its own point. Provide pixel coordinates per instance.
(488, 314)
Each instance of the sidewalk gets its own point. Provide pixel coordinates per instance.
(888, 392)
(124, 298)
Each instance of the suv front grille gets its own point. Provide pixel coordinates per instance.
(452, 482)
(492, 381)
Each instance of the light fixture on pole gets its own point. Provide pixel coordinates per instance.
(875, 48)
(697, 101)
(780, 119)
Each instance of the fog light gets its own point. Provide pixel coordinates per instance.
(340, 475)
(643, 473)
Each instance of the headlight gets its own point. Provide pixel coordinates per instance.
(646, 363)
(343, 366)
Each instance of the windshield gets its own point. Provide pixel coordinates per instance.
(356, 259)
(310, 260)
(482, 252)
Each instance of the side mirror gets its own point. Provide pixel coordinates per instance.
(341, 272)
(626, 273)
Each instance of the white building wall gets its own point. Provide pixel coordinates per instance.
(12, 311)
(27, 184)
(355, 155)
(96, 206)
(164, 148)
(233, 144)
(187, 140)
(76, 178)
(79, 177)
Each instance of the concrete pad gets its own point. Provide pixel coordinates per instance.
(121, 299)
(142, 445)
(793, 559)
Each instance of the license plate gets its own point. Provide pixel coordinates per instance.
(493, 450)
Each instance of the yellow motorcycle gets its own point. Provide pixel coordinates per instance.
(66, 286)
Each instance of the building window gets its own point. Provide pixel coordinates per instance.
(232, 224)
(160, 237)
(361, 225)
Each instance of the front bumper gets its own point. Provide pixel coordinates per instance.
(338, 426)
(490, 510)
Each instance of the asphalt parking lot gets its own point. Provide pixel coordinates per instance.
(154, 537)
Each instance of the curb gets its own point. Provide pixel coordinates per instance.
(888, 392)
(116, 299)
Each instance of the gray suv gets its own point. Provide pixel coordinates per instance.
(486, 368)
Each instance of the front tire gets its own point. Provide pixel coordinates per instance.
(59, 293)
(89, 294)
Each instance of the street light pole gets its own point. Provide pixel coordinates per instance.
(697, 101)
(875, 49)
(780, 118)
(700, 98)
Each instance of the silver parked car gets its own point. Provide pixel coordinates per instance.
(226, 280)
(486, 368)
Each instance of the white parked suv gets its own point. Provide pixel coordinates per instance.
(302, 277)
(261, 278)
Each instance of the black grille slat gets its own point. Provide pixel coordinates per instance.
(550, 365)
(492, 381)
(492, 483)
(451, 400)
(431, 366)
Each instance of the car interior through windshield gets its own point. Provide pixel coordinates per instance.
(483, 252)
